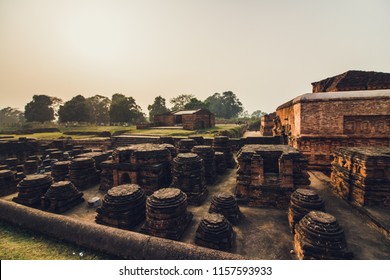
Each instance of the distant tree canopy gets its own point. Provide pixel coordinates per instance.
(258, 114)
(158, 107)
(40, 109)
(225, 105)
(78, 109)
(124, 110)
(180, 101)
(100, 108)
(194, 104)
(10, 117)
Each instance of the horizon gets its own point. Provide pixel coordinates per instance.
(266, 52)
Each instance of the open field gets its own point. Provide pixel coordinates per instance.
(84, 132)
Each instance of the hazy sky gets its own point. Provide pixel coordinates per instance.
(266, 52)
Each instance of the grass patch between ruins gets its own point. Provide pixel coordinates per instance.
(117, 130)
(19, 244)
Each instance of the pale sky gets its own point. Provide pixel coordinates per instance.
(266, 52)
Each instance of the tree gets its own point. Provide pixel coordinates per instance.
(225, 105)
(10, 117)
(194, 104)
(158, 107)
(125, 109)
(78, 109)
(40, 109)
(214, 104)
(233, 106)
(100, 108)
(257, 114)
(180, 101)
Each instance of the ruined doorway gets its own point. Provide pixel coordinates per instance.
(271, 167)
(125, 179)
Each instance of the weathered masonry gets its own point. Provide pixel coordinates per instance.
(191, 119)
(362, 175)
(268, 174)
(316, 123)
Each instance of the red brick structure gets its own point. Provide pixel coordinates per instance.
(316, 123)
(191, 119)
(267, 175)
(354, 80)
(362, 175)
(266, 124)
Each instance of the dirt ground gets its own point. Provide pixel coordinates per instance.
(264, 233)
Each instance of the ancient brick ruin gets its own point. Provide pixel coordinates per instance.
(166, 214)
(362, 175)
(267, 124)
(354, 80)
(190, 119)
(316, 123)
(268, 174)
(32, 188)
(318, 236)
(148, 165)
(226, 205)
(122, 207)
(188, 175)
(7, 182)
(60, 197)
(302, 202)
(215, 231)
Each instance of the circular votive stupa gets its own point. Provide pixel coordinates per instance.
(11, 163)
(58, 155)
(7, 182)
(31, 189)
(60, 170)
(220, 163)
(188, 175)
(221, 144)
(215, 232)
(30, 167)
(208, 155)
(166, 214)
(225, 204)
(60, 197)
(82, 172)
(303, 201)
(186, 145)
(123, 207)
(198, 139)
(319, 236)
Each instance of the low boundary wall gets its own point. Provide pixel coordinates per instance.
(112, 241)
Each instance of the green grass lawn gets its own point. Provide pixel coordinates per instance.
(18, 244)
(210, 132)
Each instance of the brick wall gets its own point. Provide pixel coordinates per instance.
(316, 127)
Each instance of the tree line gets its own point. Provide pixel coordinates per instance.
(117, 109)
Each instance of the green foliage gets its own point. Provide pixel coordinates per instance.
(258, 114)
(78, 109)
(158, 107)
(194, 104)
(124, 110)
(40, 109)
(180, 101)
(10, 117)
(225, 105)
(254, 125)
(100, 108)
(234, 132)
